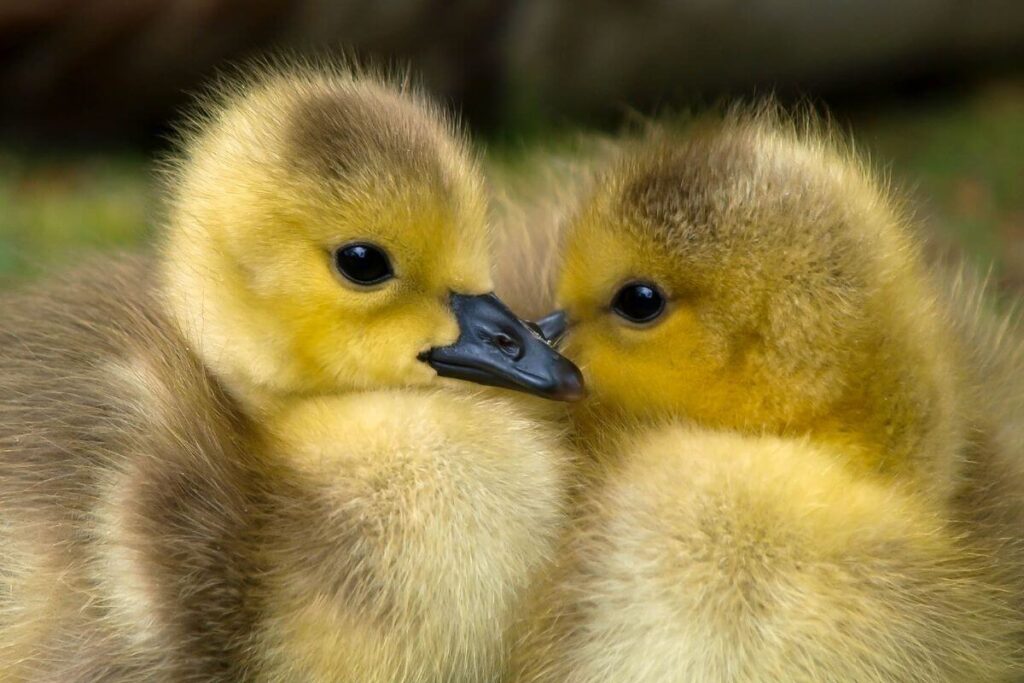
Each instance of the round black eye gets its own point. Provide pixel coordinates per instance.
(639, 302)
(363, 264)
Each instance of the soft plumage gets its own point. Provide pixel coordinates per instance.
(802, 465)
(531, 199)
(235, 460)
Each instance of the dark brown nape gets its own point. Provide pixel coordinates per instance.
(339, 133)
(693, 178)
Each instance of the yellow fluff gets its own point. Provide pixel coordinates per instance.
(237, 460)
(791, 476)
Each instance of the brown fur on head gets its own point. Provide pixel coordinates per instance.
(794, 296)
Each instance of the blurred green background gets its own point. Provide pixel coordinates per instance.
(935, 97)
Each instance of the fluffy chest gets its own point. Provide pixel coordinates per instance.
(415, 523)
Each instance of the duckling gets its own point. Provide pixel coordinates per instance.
(248, 457)
(800, 467)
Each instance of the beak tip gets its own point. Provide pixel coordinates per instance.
(569, 386)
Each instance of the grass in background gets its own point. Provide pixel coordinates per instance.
(52, 209)
(961, 161)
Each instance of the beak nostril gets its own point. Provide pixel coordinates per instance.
(509, 346)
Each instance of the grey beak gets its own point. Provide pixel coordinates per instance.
(498, 349)
(553, 326)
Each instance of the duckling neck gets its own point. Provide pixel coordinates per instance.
(899, 415)
(894, 414)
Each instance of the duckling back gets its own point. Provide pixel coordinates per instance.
(531, 200)
(122, 480)
(990, 501)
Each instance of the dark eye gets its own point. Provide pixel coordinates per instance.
(363, 264)
(639, 302)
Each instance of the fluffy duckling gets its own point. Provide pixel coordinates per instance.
(237, 461)
(800, 470)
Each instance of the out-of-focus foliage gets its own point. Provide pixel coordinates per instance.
(119, 69)
(57, 209)
(964, 165)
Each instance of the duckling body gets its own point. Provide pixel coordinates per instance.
(236, 460)
(790, 476)
(714, 556)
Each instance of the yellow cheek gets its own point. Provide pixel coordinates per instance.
(374, 348)
(628, 383)
(639, 372)
(675, 369)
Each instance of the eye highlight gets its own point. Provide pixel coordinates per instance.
(363, 263)
(639, 302)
